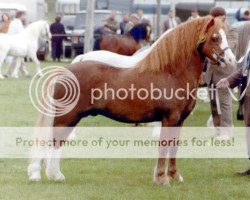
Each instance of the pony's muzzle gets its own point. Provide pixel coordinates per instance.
(228, 60)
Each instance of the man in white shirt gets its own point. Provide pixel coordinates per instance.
(16, 26)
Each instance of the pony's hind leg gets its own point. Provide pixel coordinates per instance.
(62, 129)
(2, 57)
(38, 152)
(1, 75)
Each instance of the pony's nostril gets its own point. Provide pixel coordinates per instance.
(222, 60)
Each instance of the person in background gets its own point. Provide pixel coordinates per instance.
(246, 16)
(142, 17)
(99, 32)
(16, 26)
(112, 24)
(220, 99)
(232, 81)
(57, 29)
(194, 14)
(133, 20)
(124, 22)
(171, 22)
(6, 20)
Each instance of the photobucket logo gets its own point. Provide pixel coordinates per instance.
(152, 93)
(42, 91)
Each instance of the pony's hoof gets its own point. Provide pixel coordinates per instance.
(35, 177)
(40, 74)
(34, 172)
(14, 76)
(55, 175)
(176, 177)
(160, 179)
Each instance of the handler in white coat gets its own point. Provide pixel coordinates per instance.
(16, 26)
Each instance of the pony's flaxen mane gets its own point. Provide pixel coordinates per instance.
(176, 48)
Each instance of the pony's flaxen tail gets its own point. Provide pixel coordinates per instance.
(42, 134)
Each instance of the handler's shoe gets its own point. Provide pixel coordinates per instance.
(244, 173)
(240, 115)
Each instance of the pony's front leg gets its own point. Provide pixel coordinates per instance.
(168, 145)
(37, 63)
(173, 147)
(160, 175)
(23, 69)
(172, 171)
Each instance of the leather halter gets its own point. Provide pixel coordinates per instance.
(219, 55)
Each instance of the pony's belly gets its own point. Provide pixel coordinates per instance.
(18, 50)
(131, 117)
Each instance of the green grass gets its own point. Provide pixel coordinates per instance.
(113, 178)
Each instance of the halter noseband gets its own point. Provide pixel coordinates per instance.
(219, 55)
(219, 58)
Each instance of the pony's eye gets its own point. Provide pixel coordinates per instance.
(215, 39)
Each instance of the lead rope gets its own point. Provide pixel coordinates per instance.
(245, 55)
(217, 101)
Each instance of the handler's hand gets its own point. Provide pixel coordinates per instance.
(223, 83)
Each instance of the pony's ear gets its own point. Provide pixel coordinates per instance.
(210, 24)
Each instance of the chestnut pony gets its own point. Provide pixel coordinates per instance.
(174, 61)
(127, 44)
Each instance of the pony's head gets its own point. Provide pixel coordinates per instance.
(141, 31)
(213, 43)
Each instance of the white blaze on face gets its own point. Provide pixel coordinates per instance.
(228, 54)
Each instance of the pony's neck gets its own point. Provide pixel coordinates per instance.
(33, 31)
(176, 50)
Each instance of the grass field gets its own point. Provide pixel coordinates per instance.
(113, 178)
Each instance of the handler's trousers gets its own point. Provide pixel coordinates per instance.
(221, 107)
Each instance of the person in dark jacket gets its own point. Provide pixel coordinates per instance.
(99, 32)
(57, 29)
